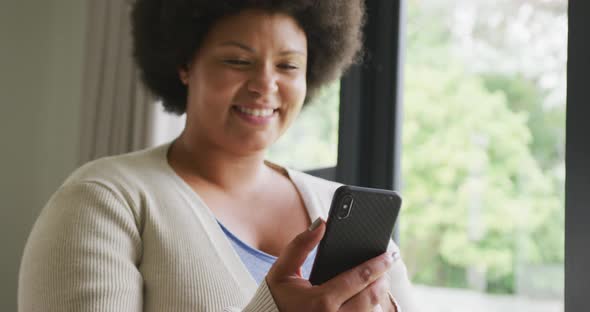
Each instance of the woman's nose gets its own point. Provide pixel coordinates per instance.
(263, 80)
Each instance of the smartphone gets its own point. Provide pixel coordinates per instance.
(359, 227)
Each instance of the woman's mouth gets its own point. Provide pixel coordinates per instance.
(256, 116)
(256, 112)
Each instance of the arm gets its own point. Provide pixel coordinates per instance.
(82, 254)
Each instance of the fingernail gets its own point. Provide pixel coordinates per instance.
(315, 224)
(388, 258)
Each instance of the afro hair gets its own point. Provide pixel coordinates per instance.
(168, 33)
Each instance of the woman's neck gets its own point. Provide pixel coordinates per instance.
(198, 162)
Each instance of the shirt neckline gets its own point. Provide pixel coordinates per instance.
(259, 253)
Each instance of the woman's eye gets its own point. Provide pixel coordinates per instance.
(288, 66)
(237, 62)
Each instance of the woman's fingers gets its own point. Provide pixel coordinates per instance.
(369, 298)
(359, 289)
(294, 255)
(350, 283)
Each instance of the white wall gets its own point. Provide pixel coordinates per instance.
(41, 52)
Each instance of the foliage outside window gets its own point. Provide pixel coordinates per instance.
(483, 145)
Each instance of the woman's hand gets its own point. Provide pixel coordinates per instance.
(359, 289)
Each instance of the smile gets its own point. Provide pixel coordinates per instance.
(267, 112)
(256, 116)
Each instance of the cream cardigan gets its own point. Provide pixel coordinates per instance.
(126, 233)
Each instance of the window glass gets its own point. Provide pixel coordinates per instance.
(483, 165)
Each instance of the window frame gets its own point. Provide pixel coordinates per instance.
(577, 182)
(369, 141)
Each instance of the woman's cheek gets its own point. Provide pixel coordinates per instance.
(223, 79)
(297, 92)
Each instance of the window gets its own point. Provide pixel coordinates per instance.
(483, 163)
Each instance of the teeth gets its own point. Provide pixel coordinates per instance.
(256, 112)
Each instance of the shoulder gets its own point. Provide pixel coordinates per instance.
(124, 171)
(315, 190)
(126, 166)
(128, 177)
(117, 187)
(320, 185)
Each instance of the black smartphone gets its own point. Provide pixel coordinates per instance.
(359, 227)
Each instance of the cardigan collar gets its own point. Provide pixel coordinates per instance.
(218, 240)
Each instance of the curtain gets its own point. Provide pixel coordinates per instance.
(117, 110)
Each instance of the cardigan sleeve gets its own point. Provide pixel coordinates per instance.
(400, 285)
(261, 302)
(82, 254)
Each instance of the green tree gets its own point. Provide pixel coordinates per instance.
(473, 192)
(478, 189)
(546, 123)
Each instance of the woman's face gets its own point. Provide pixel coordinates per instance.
(247, 82)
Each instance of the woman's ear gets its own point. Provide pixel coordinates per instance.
(183, 74)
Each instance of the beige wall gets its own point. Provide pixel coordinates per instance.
(41, 52)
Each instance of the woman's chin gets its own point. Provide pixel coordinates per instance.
(254, 144)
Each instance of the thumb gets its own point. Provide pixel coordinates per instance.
(294, 255)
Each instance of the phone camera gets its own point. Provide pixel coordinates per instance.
(345, 207)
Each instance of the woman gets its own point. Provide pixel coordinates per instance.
(198, 224)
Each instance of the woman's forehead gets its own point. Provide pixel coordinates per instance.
(253, 29)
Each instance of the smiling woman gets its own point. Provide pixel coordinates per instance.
(204, 223)
(247, 82)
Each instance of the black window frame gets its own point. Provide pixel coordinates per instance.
(369, 143)
(577, 181)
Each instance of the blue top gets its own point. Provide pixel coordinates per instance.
(259, 262)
